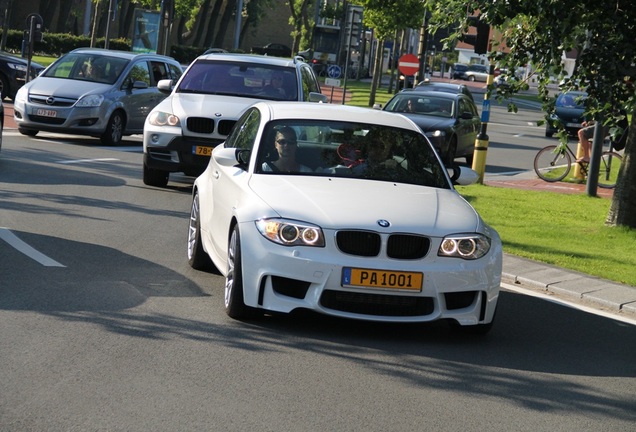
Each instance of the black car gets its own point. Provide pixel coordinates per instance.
(13, 73)
(450, 121)
(426, 86)
(568, 113)
(457, 70)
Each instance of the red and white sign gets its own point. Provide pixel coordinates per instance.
(409, 64)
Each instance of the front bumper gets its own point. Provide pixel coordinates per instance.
(177, 153)
(282, 279)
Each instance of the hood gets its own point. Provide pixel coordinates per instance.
(337, 203)
(431, 123)
(223, 107)
(68, 88)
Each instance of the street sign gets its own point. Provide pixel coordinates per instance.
(409, 64)
(485, 111)
(332, 82)
(333, 71)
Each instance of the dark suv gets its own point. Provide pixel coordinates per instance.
(180, 132)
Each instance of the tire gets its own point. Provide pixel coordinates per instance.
(234, 304)
(155, 178)
(28, 132)
(197, 257)
(114, 129)
(608, 169)
(548, 134)
(551, 166)
(471, 78)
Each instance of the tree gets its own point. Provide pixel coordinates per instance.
(302, 22)
(385, 17)
(538, 32)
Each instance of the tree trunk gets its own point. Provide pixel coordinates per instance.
(623, 208)
(201, 23)
(377, 71)
(226, 19)
(214, 17)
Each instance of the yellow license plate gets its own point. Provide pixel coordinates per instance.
(386, 279)
(202, 151)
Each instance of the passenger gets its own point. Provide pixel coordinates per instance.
(275, 86)
(286, 144)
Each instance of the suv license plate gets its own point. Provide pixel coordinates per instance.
(383, 279)
(202, 151)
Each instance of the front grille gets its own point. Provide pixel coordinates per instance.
(369, 244)
(200, 124)
(51, 101)
(362, 243)
(47, 120)
(377, 304)
(405, 246)
(225, 126)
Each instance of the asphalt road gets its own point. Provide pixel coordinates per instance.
(105, 327)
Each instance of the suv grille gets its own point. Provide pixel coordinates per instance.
(200, 124)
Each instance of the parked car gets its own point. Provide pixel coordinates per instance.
(180, 133)
(569, 108)
(13, 74)
(367, 227)
(273, 49)
(450, 121)
(445, 87)
(476, 72)
(95, 92)
(1, 122)
(457, 70)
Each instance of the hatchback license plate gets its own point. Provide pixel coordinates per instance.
(384, 279)
(575, 125)
(202, 151)
(46, 112)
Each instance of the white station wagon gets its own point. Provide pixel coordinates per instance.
(345, 211)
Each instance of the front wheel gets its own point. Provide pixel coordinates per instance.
(28, 132)
(114, 129)
(234, 301)
(552, 165)
(608, 169)
(157, 178)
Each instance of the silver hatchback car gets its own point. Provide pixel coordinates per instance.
(95, 92)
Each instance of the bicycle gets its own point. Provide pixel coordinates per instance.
(554, 162)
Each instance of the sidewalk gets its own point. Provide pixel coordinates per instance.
(569, 285)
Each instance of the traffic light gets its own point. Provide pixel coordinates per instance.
(481, 39)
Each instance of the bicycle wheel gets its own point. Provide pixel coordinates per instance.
(551, 165)
(608, 169)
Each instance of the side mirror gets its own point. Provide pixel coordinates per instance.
(461, 175)
(139, 85)
(377, 106)
(466, 115)
(318, 97)
(165, 86)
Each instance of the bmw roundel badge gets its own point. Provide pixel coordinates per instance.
(383, 223)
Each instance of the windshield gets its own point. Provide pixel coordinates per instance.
(88, 67)
(352, 150)
(240, 79)
(571, 100)
(421, 104)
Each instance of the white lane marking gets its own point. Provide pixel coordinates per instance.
(569, 304)
(78, 161)
(13, 240)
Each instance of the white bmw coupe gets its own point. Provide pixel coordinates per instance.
(345, 211)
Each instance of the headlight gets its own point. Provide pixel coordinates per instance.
(158, 118)
(290, 233)
(435, 134)
(465, 246)
(21, 96)
(90, 101)
(18, 67)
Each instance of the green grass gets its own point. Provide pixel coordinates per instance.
(44, 61)
(560, 229)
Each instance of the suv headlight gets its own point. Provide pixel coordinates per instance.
(159, 118)
(90, 101)
(465, 246)
(291, 233)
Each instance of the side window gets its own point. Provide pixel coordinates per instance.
(309, 81)
(175, 72)
(244, 132)
(139, 72)
(159, 71)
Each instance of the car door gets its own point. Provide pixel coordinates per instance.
(136, 99)
(467, 128)
(228, 185)
(309, 82)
